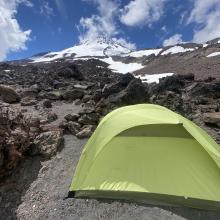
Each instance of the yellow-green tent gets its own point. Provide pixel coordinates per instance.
(147, 153)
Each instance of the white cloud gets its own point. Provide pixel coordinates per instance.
(142, 12)
(102, 23)
(12, 38)
(46, 10)
(206, 14)
(175, 39)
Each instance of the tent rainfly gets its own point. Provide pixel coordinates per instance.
(149, 154)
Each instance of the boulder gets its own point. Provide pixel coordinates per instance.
(64, 126)
(78, 102)
(85, 132)
(134, 93)
(73, 127)
(121, 84)
(110, 89)
(8, 94)
(48, 143)
(125, 79)
(73, 94)
(28, 101)
(53, 95)
(87, 108)
(89, 119)
(51, 117)
(86, 98)
(70, 71)
(206, 89)
(212, 118)
(47, 104)
(71, 117)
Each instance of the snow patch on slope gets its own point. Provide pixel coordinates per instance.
(142, 53)
(214, 54)
(177, 49)
(153, 78)
(117, 66)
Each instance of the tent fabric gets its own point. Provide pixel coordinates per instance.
(147, 153)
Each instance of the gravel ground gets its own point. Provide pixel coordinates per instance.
(38, 189)
(46, 196)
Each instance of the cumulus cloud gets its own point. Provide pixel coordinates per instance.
(142, 12)
(175, 39)
(206, 14)
(12, 38)
(103, 23)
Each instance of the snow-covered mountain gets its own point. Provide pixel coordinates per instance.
(101, 47)
(159, 62)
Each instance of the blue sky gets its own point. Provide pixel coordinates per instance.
(30, 27)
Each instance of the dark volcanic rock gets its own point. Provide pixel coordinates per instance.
(47, 103)
(52, 117)
(71, 117)
(134, 93)
(8, 95)
(73, 127)
(123, 82)
(73, 94)
(125, 79)
(70, 71)
(89, 119)
(174, 83)
(207, 89)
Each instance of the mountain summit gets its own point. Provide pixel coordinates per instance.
(100, 47)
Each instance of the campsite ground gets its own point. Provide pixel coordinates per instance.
(37, 188)
(44, 195)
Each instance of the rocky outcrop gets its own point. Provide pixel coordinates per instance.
(206, 89)
(16, 135)
(134, 93)
(8, 95)
(47, 143)
(70, 71)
